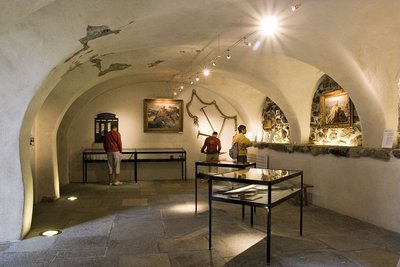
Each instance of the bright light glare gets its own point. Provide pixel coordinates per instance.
(256, 45)
(206, 72)
(182, 208)
(51, 233)
(269, 25)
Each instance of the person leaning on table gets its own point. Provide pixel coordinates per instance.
(113, 146)
(243, 143)
(212, 147)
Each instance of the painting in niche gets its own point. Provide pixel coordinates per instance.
(336, 109)
(163, 115)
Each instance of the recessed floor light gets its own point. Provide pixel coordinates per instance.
(50, 233)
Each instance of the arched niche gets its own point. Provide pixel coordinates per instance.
(345, 133)
(274, 123)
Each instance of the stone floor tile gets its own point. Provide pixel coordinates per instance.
(315, 259)
(81, 253)
(148, 260)
(374, 258)
(148, 245)
(199, 258)
(132, 202)
(67, 243)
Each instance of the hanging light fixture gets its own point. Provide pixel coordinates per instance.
(247, 43)
(228, 55)
(295, 5)
(197, 78)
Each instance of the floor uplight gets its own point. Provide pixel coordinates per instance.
(50, 233)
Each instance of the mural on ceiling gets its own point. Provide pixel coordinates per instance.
(347, 133)
(275, 124)
(203, 110)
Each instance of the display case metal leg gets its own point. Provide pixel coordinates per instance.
(251, 216)
(301, 205)
(195, 190)
(209, 212)
(269, 237)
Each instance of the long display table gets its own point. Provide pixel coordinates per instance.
(264, 188)
(136, 155)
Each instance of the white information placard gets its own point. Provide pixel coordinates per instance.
(388, 137)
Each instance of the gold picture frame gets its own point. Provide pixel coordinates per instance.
(163, 115)
(336, 109)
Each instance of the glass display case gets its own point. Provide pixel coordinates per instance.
(136, 155)
(264, 188)
(203, 169)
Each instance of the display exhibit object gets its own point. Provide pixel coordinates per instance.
(263, 188)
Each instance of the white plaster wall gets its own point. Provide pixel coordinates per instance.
(127, 103)
(363, 188)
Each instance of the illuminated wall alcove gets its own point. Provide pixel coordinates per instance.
(274, 124)
(325, 135)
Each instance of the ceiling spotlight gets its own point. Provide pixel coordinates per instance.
(295, 5)
(174, 93)
(197, 78)
(72, 198)
(214, 63)
(246, 42)
(181, 86)
(50, 233)
(191, 82)
(269, 25)
(206, 72)
(228, 56)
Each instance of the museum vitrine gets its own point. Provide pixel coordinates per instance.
(264, 188)
(203, 169)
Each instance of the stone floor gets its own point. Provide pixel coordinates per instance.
(152, 223)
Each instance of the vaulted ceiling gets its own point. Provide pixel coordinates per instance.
(64, 48)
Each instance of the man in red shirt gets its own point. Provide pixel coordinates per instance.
(212, 147)
(113, 146)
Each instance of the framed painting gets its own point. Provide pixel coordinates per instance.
(163, 115)
(336, 109)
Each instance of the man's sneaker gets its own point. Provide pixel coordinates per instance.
(117, 183)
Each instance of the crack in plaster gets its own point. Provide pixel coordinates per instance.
(113, 67)
(94, 32)
(155, 63)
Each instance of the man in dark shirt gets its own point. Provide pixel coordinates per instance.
(212, 147)
(113, 146)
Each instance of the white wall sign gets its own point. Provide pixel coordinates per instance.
(388, 137)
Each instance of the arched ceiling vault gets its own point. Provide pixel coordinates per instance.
(171, 41)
